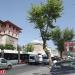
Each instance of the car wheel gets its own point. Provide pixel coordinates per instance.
(9, 66)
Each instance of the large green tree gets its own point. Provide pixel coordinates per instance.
(43, 16)
(60, 36)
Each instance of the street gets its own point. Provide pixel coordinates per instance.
(28, 70)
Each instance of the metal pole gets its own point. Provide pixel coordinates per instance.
(2, 53)
(18, 56)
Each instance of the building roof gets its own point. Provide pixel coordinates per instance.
(5, 22)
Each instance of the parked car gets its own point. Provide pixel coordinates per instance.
(63, 68)
(4, 64)
(45, 60)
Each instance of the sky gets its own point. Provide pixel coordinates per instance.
(16, 11)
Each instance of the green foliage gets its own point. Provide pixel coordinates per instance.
(9, 47)
(1, 47)
(29, 47)
(44, 15)
(54, 8)
(66, 34)
(59, 37)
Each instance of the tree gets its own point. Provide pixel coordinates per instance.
(60, 36)
(29, 47)
(43, 16)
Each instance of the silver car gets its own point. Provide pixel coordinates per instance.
(4, 64)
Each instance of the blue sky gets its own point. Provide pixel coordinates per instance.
(17, 10)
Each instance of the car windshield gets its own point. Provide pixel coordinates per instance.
(45, 57)
(31, 57)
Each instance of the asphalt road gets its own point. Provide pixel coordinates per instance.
(28, 70)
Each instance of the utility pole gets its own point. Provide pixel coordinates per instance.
(18, 56)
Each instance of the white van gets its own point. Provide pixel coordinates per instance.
(40, 58)
(35, 59)
(32, 59)
(45, 59)
(4, 64)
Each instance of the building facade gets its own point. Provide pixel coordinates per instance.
(38, 47)
(69, 46)
(9, 33)
(69, 49)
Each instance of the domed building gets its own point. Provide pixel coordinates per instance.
(38, 47)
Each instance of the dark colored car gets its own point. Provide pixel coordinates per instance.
(63, 68)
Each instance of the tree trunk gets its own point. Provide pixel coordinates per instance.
(47, 52)
(44, 44)
(61, 54)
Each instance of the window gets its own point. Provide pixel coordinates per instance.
(12, 34)
(71, 48)
(3, 61)
(9, 26)
(45, 57)
(9, 32)
(13, 28)
(16, 34)
(32, 57)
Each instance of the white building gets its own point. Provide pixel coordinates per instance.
(38, 47)
(53, 52)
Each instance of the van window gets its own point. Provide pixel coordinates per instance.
(3, 61)
(45, 57)
(32, 57)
